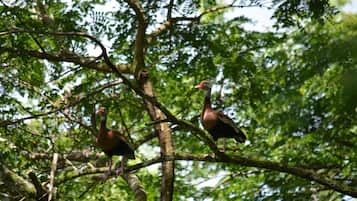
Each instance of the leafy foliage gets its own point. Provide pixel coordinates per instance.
(292, 91)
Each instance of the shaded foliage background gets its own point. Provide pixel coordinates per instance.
(292, 89)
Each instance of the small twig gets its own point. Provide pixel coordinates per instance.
(34, 132)
(125, 126)
(89, 128)
(145, 139)
(58, 109)
(157, 122)
(169, 9)
(88, 189)
(76, 69)
(80, 34)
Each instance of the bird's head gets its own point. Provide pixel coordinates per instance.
(205, 85)
(102, 112)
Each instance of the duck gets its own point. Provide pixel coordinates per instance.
(218, 124)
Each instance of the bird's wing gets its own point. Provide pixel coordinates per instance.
(122, 138)
(241, 136)
(225, 119)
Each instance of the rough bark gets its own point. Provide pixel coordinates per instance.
(164, 134)
(52, 190)
(162, 130)
(134, 183)
(15, 184)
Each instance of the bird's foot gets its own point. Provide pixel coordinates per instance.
(222, 150)
(119, 171)
(102, 177)
(211, 155)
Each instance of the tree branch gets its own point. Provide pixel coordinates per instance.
(169, 9)
(162, 130)
(294, 170)
(134, 183)
(140, 43)
(15, 183)
(297, 170)
(83, 156)
(65, 56)
(51, 189)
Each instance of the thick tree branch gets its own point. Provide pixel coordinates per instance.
(83, 156)
(16, 183)
(281, 167)
(139, 11)
(162, 130)
(65, 56)
(51, 189)
(134, 183)
(139, 47)
(164, 134)
(296, 170)
(87, 62)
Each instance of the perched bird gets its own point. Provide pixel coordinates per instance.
(112, 142)
(215, 122)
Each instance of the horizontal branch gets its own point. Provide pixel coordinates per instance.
(296, 170)
(65, 56)
(5, 123)
(78, 156)
(87, 62)
(281, 167)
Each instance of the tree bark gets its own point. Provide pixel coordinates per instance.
(134, 183)
(15, 184)
(164, 134)
(162, 130)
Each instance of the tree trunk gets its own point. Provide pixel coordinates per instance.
(164, 134)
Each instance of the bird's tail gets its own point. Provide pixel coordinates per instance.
(241, 137)
(131, 156)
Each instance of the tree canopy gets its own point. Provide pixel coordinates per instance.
(292, 89)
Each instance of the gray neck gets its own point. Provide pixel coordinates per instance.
(207, 101)
(103, 122)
